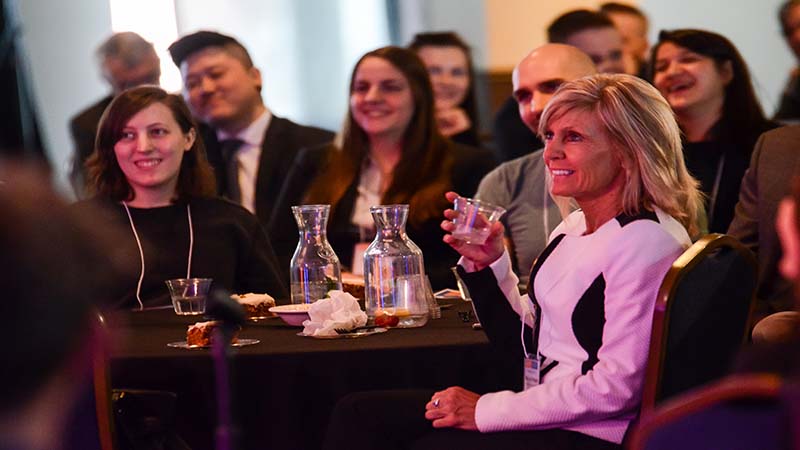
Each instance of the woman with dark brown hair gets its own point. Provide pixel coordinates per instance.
(390, 151)
(149, 171)
(707, 84)
(449, 62)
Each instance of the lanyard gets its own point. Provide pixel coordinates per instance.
(141, 251)
(715, 190)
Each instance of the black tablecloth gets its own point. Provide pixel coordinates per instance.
(286, 386)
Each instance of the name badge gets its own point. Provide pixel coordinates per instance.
(530, 372)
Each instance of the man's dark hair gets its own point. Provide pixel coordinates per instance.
(191, 43)
(572, 22)
(621, 8)
(783, 15)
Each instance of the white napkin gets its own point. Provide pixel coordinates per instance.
(339, 310)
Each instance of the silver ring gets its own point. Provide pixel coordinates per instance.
(436, 403)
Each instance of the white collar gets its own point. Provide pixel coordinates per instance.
(254, 133)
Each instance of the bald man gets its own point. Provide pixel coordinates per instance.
(519, 185)
(591, 32)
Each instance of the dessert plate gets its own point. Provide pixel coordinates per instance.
(292, 314)
(447, 294)
(353, 335)
(239, 343)
(257, 319)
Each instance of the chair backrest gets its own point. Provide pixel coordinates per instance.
(791, 394)
(102, 385)
(91, 423)
(701, 317)
(737, 413)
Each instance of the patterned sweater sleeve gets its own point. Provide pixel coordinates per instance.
(507, 281)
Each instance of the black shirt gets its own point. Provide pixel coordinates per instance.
(230, 246)
(720, 165)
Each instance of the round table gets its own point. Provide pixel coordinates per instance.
(286, 385)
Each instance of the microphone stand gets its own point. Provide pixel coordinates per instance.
(230, 316)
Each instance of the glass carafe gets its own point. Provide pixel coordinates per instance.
(394, 271)
(314, 269)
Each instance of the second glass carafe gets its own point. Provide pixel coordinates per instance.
(394, 270)
(315, 268)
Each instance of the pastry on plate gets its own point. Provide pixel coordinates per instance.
(353, 285)
(200, 334)
(255, 305)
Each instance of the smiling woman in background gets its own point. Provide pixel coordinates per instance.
(707, 84)
(449, 62)
(390, 151)
(149, 172)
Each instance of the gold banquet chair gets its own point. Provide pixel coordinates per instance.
(701, 317)
(743, 412)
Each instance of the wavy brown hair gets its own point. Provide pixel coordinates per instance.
(196, 177)
(422, 175)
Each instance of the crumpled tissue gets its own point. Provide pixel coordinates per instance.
(338, 310)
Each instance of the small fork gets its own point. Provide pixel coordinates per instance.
(353, 330)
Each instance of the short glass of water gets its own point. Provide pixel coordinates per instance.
(189, 295)
(475, 219)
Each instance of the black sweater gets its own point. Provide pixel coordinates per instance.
(705, 159)
(230, 246)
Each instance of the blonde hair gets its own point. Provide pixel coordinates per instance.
(648, 142)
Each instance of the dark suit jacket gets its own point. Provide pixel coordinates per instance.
(471, 164)
(83, 127)
(282, 140)
(776, 159)
(789, 108)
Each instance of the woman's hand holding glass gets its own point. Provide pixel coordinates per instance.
(481, 255)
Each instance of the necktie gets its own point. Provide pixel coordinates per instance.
(229, 147)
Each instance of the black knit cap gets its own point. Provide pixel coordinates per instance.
(185, 46)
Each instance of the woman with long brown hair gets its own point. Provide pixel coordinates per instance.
(389, 151)
(706, 82)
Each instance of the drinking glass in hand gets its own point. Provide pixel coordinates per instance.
(475, 219)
